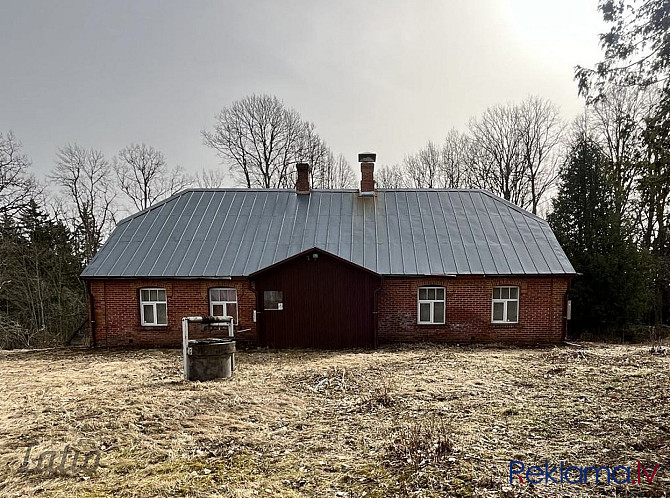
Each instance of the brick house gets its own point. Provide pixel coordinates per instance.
(331, 268)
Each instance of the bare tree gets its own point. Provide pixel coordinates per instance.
(423, 169)
(540, 132)
(496, 160)
(17, 186)
(259, 139)
(327, 170)
(211, 178)
(337, 173)
(433, 166)
(618, 119)
(313, 151)
(455, 160)
(144, 176)
(85, 177)
(515, 151)
(390, 177)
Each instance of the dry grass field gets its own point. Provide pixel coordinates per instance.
(399, 421)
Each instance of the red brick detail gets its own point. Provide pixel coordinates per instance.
(468, 310)
(117, 311)
(302, 183)
(367, 177)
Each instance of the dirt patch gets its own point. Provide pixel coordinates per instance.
(399, 421)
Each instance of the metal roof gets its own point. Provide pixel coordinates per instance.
(234, 232)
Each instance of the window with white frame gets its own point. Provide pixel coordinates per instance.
(223, 302)
(153, 307)
(431, 305)
(505, 305)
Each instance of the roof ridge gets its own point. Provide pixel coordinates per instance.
(291, 190)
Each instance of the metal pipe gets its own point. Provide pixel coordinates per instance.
(375, 311)
(91, 314)
(256, 327)
(184, 343)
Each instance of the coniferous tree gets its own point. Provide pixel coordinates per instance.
(612, 290)
(654, 201)
(41, 298)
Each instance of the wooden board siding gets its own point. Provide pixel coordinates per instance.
(328, 303)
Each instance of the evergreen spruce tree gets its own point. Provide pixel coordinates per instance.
(612, 290)
(41, 298)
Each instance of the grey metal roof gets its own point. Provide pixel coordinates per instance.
(235, 232)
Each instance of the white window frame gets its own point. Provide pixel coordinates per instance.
(225, 304)
(432, 302)
(505, 302)
(153, 303)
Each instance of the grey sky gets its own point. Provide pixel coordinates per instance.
(385, 76)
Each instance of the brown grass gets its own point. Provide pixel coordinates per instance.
(400, 421)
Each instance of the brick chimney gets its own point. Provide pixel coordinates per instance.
(367, 160)
(302, 183)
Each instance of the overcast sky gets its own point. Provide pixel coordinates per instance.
(385, 76)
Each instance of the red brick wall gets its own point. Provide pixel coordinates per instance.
(302, 181)
(117, 311)
(367, 177)
(468, 310)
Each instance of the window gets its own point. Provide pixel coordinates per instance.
(505, 305)
(273, 300)
(223, 302)
(153, 307)
(431, 304)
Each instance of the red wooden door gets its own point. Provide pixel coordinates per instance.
(316, 302)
